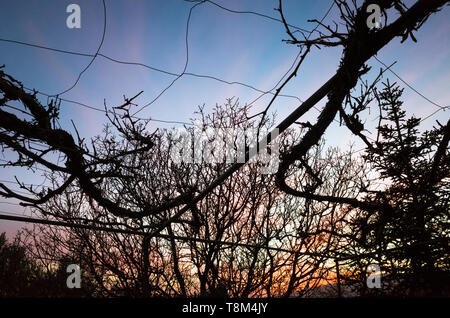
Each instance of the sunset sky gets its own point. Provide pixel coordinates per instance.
(234, 47)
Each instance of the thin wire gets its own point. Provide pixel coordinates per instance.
(28, 184)
(87, 55)
(342, 256)
(138, 64)
(15, 217)
(146, 66)
(415, 90)
(10, 164)
(185, 63)
(278, 20)
(96, 53)
(10, 203)
(257, 14)
(440, 107)
(432, 114)
(398, 76)
(104, 111)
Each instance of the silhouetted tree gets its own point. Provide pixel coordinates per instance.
(247, 209)
(410, 240)
(126, 179)
(22, 274)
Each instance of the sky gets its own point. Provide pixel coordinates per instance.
(234, 47)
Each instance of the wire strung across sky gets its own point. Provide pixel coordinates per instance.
(136, 64)
(93, 58)
(336, 253)
(145, 66)
(310, 32)
(185, 63)
(207, 76)
(104, 111)
(412, 88)
(16, 217)
(259, 15)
